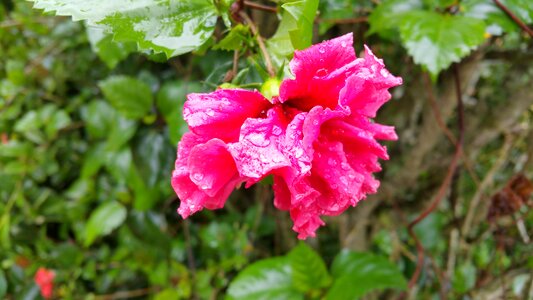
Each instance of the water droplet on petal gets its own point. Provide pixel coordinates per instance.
(384, 73)
(315, 122)
(204, 187)
(258, 139)
(345, 166)
(321, 49)
(298, 152)
(210, 112)
(343, 44)
(343, 180)
(276, 130)
(332, 162)
(198, 176)
(322, 72)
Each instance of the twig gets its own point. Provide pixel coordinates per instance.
(487, 181)
(262, 7)
(514, 18)
(268, 62)
(445, 184)
(438, 117)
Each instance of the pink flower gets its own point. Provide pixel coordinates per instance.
(316, 138)
(44, 278)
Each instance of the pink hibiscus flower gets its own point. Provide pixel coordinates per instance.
(44, 278)
(317, 138)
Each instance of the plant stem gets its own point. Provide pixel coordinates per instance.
(514, 18)
(268, 62)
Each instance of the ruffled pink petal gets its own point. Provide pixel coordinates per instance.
(320, 72)
(220, 114)
(205, 174)
(366, 89)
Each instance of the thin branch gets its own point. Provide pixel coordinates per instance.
(266, 56)
(262, 7)
(445, 184)
(514, 18)
(438, 117)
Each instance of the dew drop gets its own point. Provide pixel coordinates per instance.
(258, 139)
(332, 162)
(322, 72)
(321, 49)
(343, 180)
(276, 130)
(384, 73)
(298, 152)
(210, 112)
(343, 44)
(198, 176)
(204, 187)
(345, 166)
(315, 122)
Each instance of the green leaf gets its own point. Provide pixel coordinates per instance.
(435, 41)
(131, 97)
(308, 269)
(173, 27)
(103, 220)
(295, 30)
(110, 52)
(265, 279)
(356, 274)
(235, 39)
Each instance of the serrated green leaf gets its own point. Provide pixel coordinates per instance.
(435, 41)
(236, 39)
(263, 280)
(355, 274)
(129, 96)
(172, 27)
(110, 52)
(103, 220)
(308, 269)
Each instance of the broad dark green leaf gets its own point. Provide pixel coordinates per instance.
(308, 269)
(131, 97)
(435, 41)
(103, 220)
(356, 274)
(172, 27)
(264, 280)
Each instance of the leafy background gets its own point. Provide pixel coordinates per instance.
(90, 114)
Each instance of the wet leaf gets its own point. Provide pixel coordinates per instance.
(172, 27)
